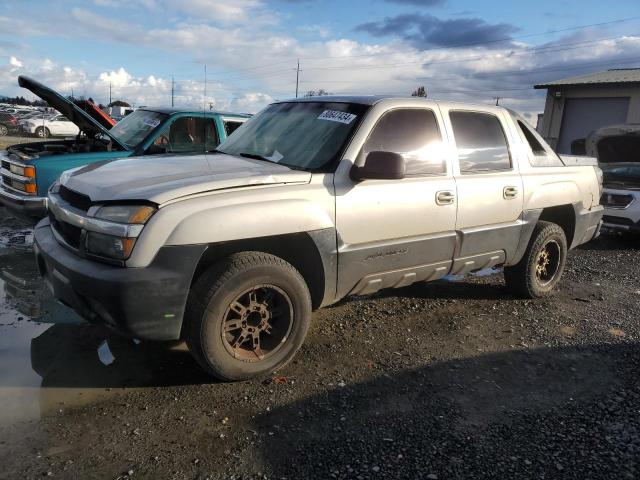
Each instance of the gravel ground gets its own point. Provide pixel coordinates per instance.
(451, 380)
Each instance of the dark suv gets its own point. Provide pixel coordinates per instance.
(8, 124)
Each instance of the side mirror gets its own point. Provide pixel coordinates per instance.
(380, 166)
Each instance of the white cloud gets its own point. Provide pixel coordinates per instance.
(250, 64)
(225, 11)
(14, 62)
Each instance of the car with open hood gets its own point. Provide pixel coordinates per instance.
(29, 169)
(617, 148)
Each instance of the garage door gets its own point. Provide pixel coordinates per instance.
(584, 115)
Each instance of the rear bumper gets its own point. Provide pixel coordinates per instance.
(146, 303)
(26, 207)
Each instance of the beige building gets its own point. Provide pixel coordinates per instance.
(577, 106)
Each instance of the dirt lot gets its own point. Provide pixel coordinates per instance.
(452, 380)
(12, 140)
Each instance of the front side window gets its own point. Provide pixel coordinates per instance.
(188, 135)
(301, 135)
(134, 128)
(414, 134)
(481, 142)
(231, 126)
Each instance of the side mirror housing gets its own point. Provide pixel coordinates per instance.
(380, 166)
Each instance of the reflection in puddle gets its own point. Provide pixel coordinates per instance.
(26, 311)
(52, 360)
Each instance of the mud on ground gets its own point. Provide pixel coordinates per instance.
(452, 380)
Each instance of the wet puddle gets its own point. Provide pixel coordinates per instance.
(52, 360)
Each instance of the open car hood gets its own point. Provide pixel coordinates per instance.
(82, 119)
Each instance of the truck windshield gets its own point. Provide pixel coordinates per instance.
(133, 128)
(300, 135)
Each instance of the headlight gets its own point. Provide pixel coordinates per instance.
(112, 246)
(28, 171)
(138, 214)
(109, 246)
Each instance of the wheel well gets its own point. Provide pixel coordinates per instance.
(564, 216)
(297, 248)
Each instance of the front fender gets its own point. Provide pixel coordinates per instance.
(202, 221)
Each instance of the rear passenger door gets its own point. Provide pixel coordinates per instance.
(489, 186)
(396, 232)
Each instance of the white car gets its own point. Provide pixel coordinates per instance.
(57, 125)
(617, 148)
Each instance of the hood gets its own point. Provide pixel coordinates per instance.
(82, 119)
(621, 175)
(159, 179)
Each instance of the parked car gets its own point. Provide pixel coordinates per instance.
(617, 148)
(29, 169)
(54, 126)
(314, 200)
(8, 124)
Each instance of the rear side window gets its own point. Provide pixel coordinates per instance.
(414, 134)
(536, 146)
(230, 126)
(482, 145)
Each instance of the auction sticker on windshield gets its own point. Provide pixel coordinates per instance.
(337, 116)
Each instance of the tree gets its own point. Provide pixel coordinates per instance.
(119, 103)
(317, 93)
(419, 92)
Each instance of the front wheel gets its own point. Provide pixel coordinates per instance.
(42, 132)
(247, 316)
(3, 130)
(541, 267)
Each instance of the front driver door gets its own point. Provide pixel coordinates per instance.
(395, 232)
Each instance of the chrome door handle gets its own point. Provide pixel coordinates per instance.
(510, 192)
(445, 197)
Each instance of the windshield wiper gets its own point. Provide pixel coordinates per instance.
(255, 156)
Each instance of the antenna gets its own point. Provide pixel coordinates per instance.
(497, 100)
(110, 93)
(297, 77)
(172, 90)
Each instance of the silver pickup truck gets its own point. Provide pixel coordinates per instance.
(308, 202)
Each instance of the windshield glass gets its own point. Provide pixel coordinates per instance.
(303, 135)
(133, 128)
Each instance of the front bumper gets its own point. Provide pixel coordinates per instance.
(146, 303)
(617, 223)
(24, 206)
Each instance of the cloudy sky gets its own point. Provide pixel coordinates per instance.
(466, 50)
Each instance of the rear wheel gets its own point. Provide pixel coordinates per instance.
(3, 130)
(541, 267)
(247, 316)
(43, 132)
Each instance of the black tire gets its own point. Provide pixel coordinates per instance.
(279, 304)
(43, 132)
(4, 131)
(541, 267)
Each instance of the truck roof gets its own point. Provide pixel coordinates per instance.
(173, 110)
(374, 99)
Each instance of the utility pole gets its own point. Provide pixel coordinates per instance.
(172, 90)
(297, 77)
